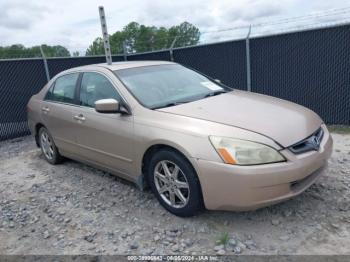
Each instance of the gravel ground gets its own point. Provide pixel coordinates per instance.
(75, 209)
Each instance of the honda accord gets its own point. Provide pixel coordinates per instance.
(194, 141)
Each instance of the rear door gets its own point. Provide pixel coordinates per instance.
(106, 139)
(57, 110)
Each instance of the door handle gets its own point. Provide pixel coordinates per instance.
(45, 109)
(79, 117)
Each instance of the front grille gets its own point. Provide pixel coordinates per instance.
(311, 143)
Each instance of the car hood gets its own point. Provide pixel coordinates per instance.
(283, 121)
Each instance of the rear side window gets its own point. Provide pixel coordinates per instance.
(63, 89)
(94, 87)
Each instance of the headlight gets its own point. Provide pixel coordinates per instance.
(243, 152)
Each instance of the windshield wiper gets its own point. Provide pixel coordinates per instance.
(170, 104)
(215, 93)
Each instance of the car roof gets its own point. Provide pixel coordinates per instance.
(121, 65)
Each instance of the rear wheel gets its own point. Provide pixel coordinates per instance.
(48, 147)
(175, 184)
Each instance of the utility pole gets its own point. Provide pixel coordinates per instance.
(247, 52)
(171, 49)
(105, 35)
(125, 51)
(45, 64)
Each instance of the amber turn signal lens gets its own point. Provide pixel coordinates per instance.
(226, 156)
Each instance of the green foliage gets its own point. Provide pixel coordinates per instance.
(142, 38)
(223, 239)
(186, 34)
(339, 129)
(137, 38)
(20, 51)
(96, 48)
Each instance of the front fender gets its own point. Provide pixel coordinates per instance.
(191, 146)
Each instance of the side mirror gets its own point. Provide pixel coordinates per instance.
(107, 106)
(217, 81)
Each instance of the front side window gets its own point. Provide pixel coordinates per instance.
(94, 87)
(166, 85)
(63, 89)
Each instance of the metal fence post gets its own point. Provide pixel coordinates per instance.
(105, 35)
(45, 64)
(125, 51)
(171, 49)
(247, 51)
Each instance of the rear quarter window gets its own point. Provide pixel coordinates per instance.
(49, 92)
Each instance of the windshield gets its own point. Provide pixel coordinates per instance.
(167, 85)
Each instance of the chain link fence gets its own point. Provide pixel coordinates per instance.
(311, 68)
(225, 61)
(19, 80)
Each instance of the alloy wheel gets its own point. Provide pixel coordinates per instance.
(171, 184)
(47, 145)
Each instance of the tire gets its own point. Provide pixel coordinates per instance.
(184, 180)
(49, 149)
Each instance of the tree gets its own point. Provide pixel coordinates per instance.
(96, 48)
(20, 51)
(15, 51)
(142, 38)
(186, 34)
(117, 39)
(54, 51)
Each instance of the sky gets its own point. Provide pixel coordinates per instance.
(75, 23)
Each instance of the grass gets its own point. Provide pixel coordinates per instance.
(223, 239)
(339, 129)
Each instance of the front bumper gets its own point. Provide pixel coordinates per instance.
(229, 187)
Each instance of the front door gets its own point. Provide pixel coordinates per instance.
(105, 139)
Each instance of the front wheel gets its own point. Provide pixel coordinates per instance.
(175, 184)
